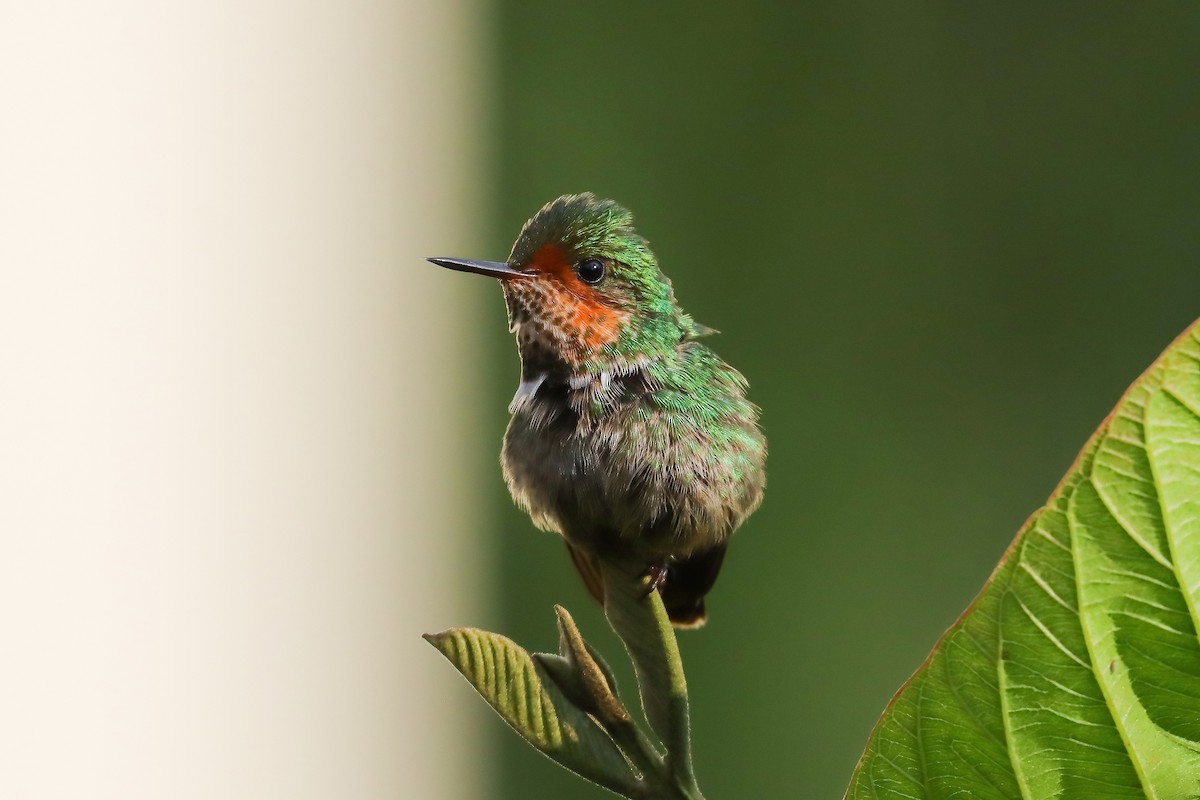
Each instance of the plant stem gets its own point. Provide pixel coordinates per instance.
(638, 617)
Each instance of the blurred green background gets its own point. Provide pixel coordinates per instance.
(940, 240)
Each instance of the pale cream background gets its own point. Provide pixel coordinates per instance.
(231, 493)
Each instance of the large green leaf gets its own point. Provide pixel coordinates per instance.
(1076, 672)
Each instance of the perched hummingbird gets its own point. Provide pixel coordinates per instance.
(629, 437)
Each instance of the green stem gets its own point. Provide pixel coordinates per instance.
(642, 753)
(639, 618)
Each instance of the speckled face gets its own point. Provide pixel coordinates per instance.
(569, 315)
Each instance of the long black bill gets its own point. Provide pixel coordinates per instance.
(496, 269)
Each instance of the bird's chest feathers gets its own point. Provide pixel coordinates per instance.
(552, 394)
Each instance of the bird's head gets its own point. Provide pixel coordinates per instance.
(588, 284)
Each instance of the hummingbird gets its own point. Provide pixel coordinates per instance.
(629, 437)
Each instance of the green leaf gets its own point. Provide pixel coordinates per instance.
(1076, 672)
(521, 692)
(582, 675)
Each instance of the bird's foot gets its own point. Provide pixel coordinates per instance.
(657, 573)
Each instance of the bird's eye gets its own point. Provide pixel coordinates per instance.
(591, 270)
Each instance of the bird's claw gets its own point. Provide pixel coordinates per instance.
(657, 574)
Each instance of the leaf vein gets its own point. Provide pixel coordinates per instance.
(1050, 635)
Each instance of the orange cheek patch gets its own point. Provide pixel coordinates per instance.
(575, 305)
(597, 325)
(551, 260)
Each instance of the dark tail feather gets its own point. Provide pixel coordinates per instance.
(589, 570)
(682, 592)
(687, 583)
